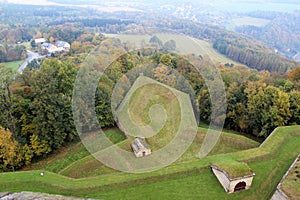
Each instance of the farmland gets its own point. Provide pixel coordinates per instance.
(184, 45)
(250, 21)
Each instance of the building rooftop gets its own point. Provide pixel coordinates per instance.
(138, 144)
(60, 43)
(233, 169)
(47, 45)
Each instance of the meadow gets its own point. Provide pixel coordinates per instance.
(250, 21)
(184, 45)
(13, 65)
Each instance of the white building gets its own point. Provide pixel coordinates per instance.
(40, 40)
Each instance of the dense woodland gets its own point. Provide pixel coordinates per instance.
(10, 53)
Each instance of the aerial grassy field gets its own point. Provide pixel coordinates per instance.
(251, 21)
(184, 45)
(14, 65)
(189, 179)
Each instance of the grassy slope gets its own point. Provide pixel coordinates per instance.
(183, 180)
(89, 166)
(14, 65)
(68, 155)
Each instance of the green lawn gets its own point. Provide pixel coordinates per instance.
(88, 166)
(72, 153)
(14, 65)
(184, 180)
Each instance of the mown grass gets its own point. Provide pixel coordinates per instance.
(190, 180)
(144, 98)
(70, 154)
(89, 166)
(14, 65)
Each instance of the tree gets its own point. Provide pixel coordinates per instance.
(6, 79)
(10, 151)
(169, 45)
(156, 41)
(267, 108)
(52, 88)
(295, 107)
(166, 59)
(33, 44)
(294, 76)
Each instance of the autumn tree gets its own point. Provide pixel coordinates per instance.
(294, 76)
(6, 79)
(10, 156)
(52, 88)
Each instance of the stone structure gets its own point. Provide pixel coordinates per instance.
(232, 184)
(140, 147)
(279, 194)
(36, 196)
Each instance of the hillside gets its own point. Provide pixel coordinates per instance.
(184, 45)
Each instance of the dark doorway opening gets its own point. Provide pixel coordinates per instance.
(240, 186)
(144, 153)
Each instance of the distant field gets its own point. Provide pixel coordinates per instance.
(14, 65)
(250, 21)
(184, 45)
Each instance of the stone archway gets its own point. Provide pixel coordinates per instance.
(240, 186)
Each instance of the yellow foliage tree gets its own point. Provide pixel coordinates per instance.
(10, 152)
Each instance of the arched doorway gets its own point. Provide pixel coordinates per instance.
(240, 186)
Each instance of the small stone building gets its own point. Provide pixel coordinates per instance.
(233, 184)
(140, 147)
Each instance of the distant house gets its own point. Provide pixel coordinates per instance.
(140, 147)
(40, 40)
(62, 45)
(233, 184)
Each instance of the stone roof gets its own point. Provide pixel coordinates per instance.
(138, 144)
